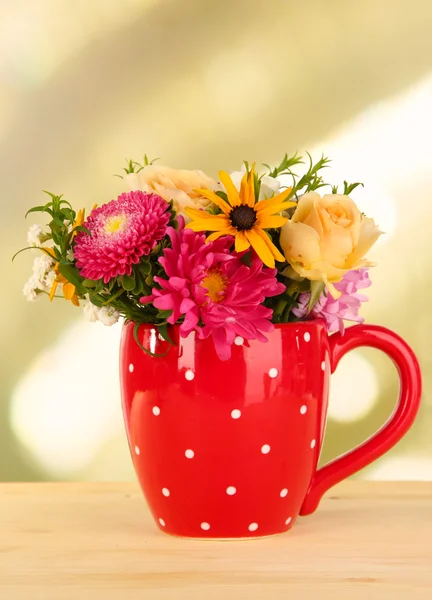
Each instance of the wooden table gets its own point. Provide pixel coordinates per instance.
(97, 541)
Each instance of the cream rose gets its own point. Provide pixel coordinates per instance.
(173, 184)
(326, 238)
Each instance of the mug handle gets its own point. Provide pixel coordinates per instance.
(397, 425)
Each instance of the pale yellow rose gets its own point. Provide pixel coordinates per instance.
(178, 185)
(326, 238)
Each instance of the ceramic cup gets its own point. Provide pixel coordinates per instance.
(230, 449)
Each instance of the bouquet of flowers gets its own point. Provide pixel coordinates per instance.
(225, 258)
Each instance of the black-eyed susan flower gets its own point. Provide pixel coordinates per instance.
(243, 217)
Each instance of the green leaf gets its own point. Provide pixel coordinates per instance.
(114, 297)
(139, 287)
(164, 314)
(40, 209)
(34, 248)
(163, 330)
(285, 165)
(317, 288)
(69, 214)
(222, 195)
(89, 283)
(56, 222)
(82, 228)
(145, 268)
(22, 250)
(72, 275)
(135, 333)
(349, 187)
(128, 282)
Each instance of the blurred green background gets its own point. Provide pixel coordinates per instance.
(205, 85)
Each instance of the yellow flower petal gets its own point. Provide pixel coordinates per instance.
(230, 188)
(260, 247)
(273, 249)
(241, 242)
(217, 234)
(216, 223)
(75, 300)
(273, 209)
(278, 199)
(194, 213)
(224, 206)
(49, 251)
(270, 222)
(53, 290)
(247, 188)
(68, 291)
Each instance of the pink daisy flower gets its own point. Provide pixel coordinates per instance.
(345, 308)
(213, 290)
(120, 233)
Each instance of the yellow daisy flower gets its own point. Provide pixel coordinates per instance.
(243, 217)
(68, 288)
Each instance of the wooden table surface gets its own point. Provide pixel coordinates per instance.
(97, 541)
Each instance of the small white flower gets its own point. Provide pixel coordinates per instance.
(42, 265)
(30, 288)
(49, 279)
(90, 310)
(70, 255)
(269, 185)
(108, 315)
(35, 235)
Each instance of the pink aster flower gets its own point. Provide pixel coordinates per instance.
(344, 308)
(213, 290)
(120, 233)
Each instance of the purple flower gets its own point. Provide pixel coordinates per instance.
(336, 311)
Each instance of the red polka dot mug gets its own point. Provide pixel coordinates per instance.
(230, 449)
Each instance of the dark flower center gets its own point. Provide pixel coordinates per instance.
(243, 217)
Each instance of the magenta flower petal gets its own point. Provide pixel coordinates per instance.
(214, 291)
(121, 232)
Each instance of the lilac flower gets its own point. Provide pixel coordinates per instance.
(336, 311)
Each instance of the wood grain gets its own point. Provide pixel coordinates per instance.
(97, 541)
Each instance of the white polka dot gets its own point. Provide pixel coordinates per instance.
(313, 443)
(189, 453)
(307, 336)
(190, 375)
(137, 450)
(239, 341)
(231, 490)
(131, 368)
(236, 413)
(288, 521)
(156, 411)
(265, 449)
(273, 373)
(253, 527)
(166, 492)
(205, 526)
(323, 365)
(284, 493)
(303, 409)
(162, 522)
